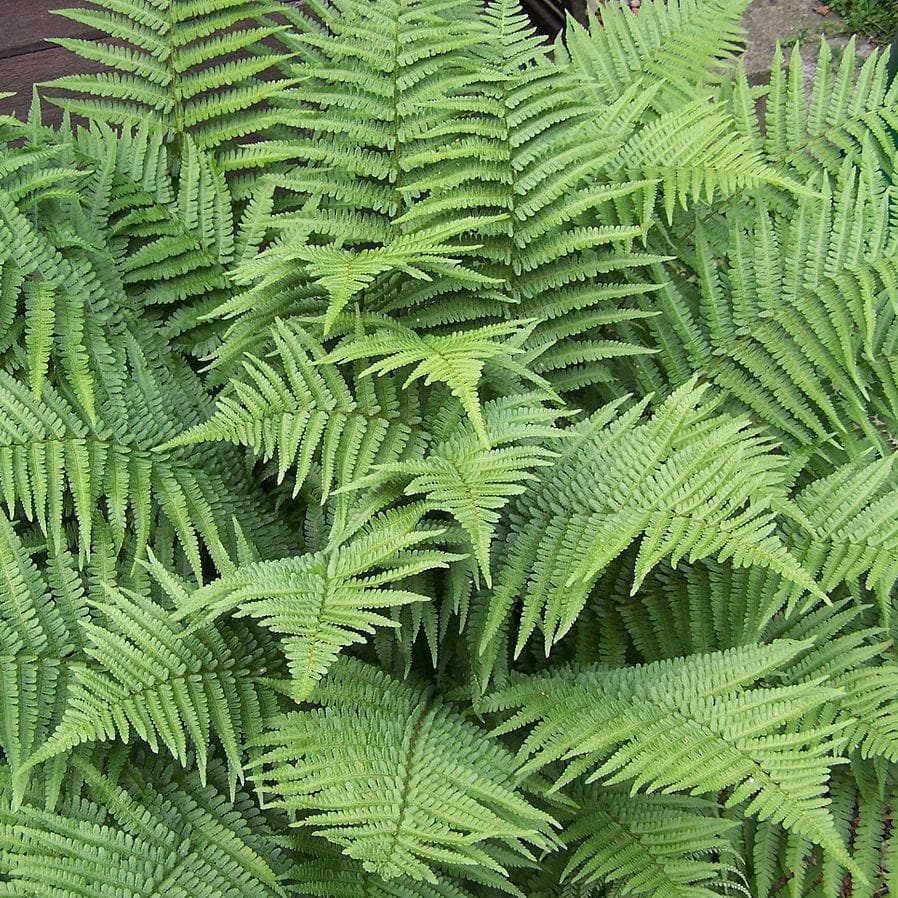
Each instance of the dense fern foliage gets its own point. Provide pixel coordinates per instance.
(436, 463)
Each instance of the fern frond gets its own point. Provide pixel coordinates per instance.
(304, 409)
(690, 725)
(853, 512)
(36, 642)
(694, 154)
(173, 689)
(692, 486)
(174, 63)
(455, 359)
(782, 312)
(415, 787)
(851, 104)
(134, 841)
(322, 602)
(676, 47)
(651, 844)
(474, 484)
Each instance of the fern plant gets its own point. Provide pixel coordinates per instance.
(439, 463)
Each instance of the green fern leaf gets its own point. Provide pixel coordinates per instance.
(415, 786)
(323, 602)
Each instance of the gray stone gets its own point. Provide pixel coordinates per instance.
(791, 21)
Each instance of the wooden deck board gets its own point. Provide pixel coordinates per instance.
(24, 25)
(27, 58)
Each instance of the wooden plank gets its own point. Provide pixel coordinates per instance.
(18, 73)
(25, 24)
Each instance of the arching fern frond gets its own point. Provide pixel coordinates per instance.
(853, 512)
(691, 485)
(782, 312)
(172, 688)
(416, 787)
(694, 155)
(338, 877)
(139, 840)
(690, 725)
(323, 602)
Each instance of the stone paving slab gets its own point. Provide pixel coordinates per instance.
(788, 21)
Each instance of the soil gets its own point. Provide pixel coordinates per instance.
(790, 22)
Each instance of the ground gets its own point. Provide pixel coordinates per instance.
(788, 21)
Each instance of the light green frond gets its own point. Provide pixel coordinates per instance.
(689, 484)
(694, 154)
(338, 877)
(473, 483)
(654, 845)
(853, 515)
(321, 603)
(172, 688)
(702, 736)
(417, 786)
(455, 359)
(781, 311)
(302, 410)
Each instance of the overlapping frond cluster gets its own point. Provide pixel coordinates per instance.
(438, 463)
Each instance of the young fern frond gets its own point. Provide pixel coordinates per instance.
(473, 483)
(456, 359)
